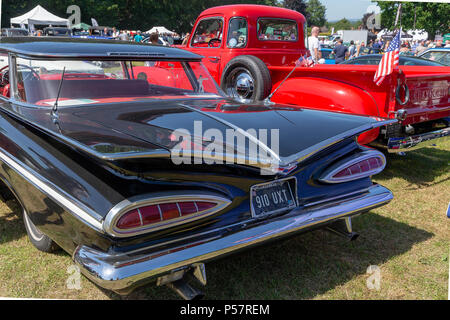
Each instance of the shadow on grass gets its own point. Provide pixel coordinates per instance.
(309, 264)
(304, 266)
(301, 267)
(11, 222)
(420, 167)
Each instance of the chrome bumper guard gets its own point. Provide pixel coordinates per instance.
(123, 272)
(418, 141)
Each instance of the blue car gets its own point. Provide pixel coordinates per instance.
(328, 55)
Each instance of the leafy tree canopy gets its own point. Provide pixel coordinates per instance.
(316, 12)
(178, 15)
(431, 17)
(297, 5)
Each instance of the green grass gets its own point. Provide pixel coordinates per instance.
(408, 239)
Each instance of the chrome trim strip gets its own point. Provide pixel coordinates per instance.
(418, 141)
(179, 210)
(140, 216)
(61, 197)
(327, 176)
(123, 272)
(109, 223)
(160, 212)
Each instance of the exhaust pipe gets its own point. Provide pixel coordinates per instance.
(343, 228)
(176, 281)
(185, 290)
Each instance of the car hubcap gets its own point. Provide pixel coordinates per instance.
(240, 85)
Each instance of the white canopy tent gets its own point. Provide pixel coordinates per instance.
(160, 30)
(39, 15)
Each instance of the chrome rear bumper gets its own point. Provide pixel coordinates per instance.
(417, 141)
(123, 272)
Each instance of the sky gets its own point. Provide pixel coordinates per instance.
(350, 9)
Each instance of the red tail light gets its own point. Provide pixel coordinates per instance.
(360, 165)
(161, 212)
(156, 213)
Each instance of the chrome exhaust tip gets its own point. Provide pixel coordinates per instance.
(176, 281)
(343, 228)
(187, 292)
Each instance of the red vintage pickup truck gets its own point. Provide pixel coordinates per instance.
(250, 49)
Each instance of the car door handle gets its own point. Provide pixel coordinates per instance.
(214, 59)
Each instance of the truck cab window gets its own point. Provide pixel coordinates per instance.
(208, 33)
(237, 33)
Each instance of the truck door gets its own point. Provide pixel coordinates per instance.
(207, 41)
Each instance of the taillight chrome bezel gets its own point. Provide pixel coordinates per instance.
(328, 176)
(125, 206)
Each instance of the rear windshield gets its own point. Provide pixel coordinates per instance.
(94, 82)
(438, 56)
(277, 30)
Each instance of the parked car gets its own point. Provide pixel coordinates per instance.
(161, 41)
(328, 55)
(251, 49)
(441, 55)
(97, 32)
(93, 162)
(57, 32)
(14, 32)
(404, 60)
(369, 50)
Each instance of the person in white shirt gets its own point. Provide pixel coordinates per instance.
(314, 44)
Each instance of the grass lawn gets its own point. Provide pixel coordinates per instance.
(407, 239)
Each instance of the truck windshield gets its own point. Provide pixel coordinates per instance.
(91, 82)
(277, 29)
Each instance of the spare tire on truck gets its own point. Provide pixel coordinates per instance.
(247, 79)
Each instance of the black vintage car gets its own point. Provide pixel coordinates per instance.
(144, 171)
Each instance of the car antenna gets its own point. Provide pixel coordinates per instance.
(297, 63)
(55, 106)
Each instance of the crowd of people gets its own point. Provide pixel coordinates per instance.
(126, 35)
(356, 48)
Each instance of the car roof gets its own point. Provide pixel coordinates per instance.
(76, 48)
(436, 49)
(20, 29)
(254, 10)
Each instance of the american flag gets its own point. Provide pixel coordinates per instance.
(389, 60)
(305, 61)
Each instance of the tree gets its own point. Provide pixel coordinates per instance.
(316, 13)
(297, 5)
(178, 15)
(431, 17)
(343, 24)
